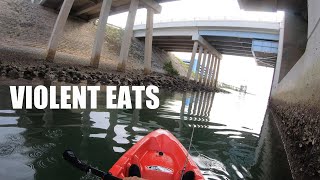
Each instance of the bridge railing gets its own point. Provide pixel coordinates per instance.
(215, 18)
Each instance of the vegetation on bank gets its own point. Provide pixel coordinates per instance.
(168, 67)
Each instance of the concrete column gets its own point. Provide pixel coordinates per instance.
(101, 31)
(58, 29)
(207, 69)
(213, 59)
(217, 74)
(214, 72)
(198, 63)
(126, 41)
(294, 41)
(148, 41)
(276, 74)
(202, 66)
(194, 51)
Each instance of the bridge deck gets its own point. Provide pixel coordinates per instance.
(90, 9)
(239, 38)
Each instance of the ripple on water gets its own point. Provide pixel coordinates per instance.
(41, 164)
(6, 149)
(31, 166)
(54, 133)
(16, 139)
(51, 160)
(35, 154)
(39, 153)
(215, 166)
(89, 176)
(12, 143)
(39, 150)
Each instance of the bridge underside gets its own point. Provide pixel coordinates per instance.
(90, 9)
(225, 45)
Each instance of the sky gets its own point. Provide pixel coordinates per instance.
(234, 70)
(204, 9)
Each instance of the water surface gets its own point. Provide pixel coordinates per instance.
(233, 137)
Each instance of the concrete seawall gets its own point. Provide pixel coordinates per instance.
(297, 100)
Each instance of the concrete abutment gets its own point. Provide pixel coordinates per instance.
(296, 97)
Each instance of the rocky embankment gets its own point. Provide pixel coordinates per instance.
(87, 75)
(299, 126)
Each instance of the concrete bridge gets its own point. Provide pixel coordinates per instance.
(210, 38)
(213, 38)
(102, 9)
(232, 37)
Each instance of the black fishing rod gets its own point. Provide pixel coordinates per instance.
(69, 156)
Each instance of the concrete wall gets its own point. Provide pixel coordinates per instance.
(302, 83)
(295, 40)
(314, 14)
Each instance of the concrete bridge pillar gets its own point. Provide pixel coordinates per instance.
(198, 63)
(210, 74)
(217, 74)
(58, 29)
(214, 73)
(148, 41)
(203, 65)
(101, 30)
(126, 41)
(210, 56)
(194, 51)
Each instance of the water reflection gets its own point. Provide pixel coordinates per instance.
(225, 146)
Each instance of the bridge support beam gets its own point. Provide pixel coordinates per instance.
(207, 68)
(201, 73)
(198, 63)
(277, 68)
(126, 41)
(194, 51)
(101, 31)
(148, 42)
(205, 44)
(214, 72)
(58, 29)
(217, 74)
(207, 83)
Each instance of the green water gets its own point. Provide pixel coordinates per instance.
(234, 137)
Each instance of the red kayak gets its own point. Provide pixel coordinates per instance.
(157, 156)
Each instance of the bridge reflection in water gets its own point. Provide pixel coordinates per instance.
(31, 141)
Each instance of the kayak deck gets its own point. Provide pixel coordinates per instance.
(159, 155)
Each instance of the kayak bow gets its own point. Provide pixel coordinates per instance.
(159, 155)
